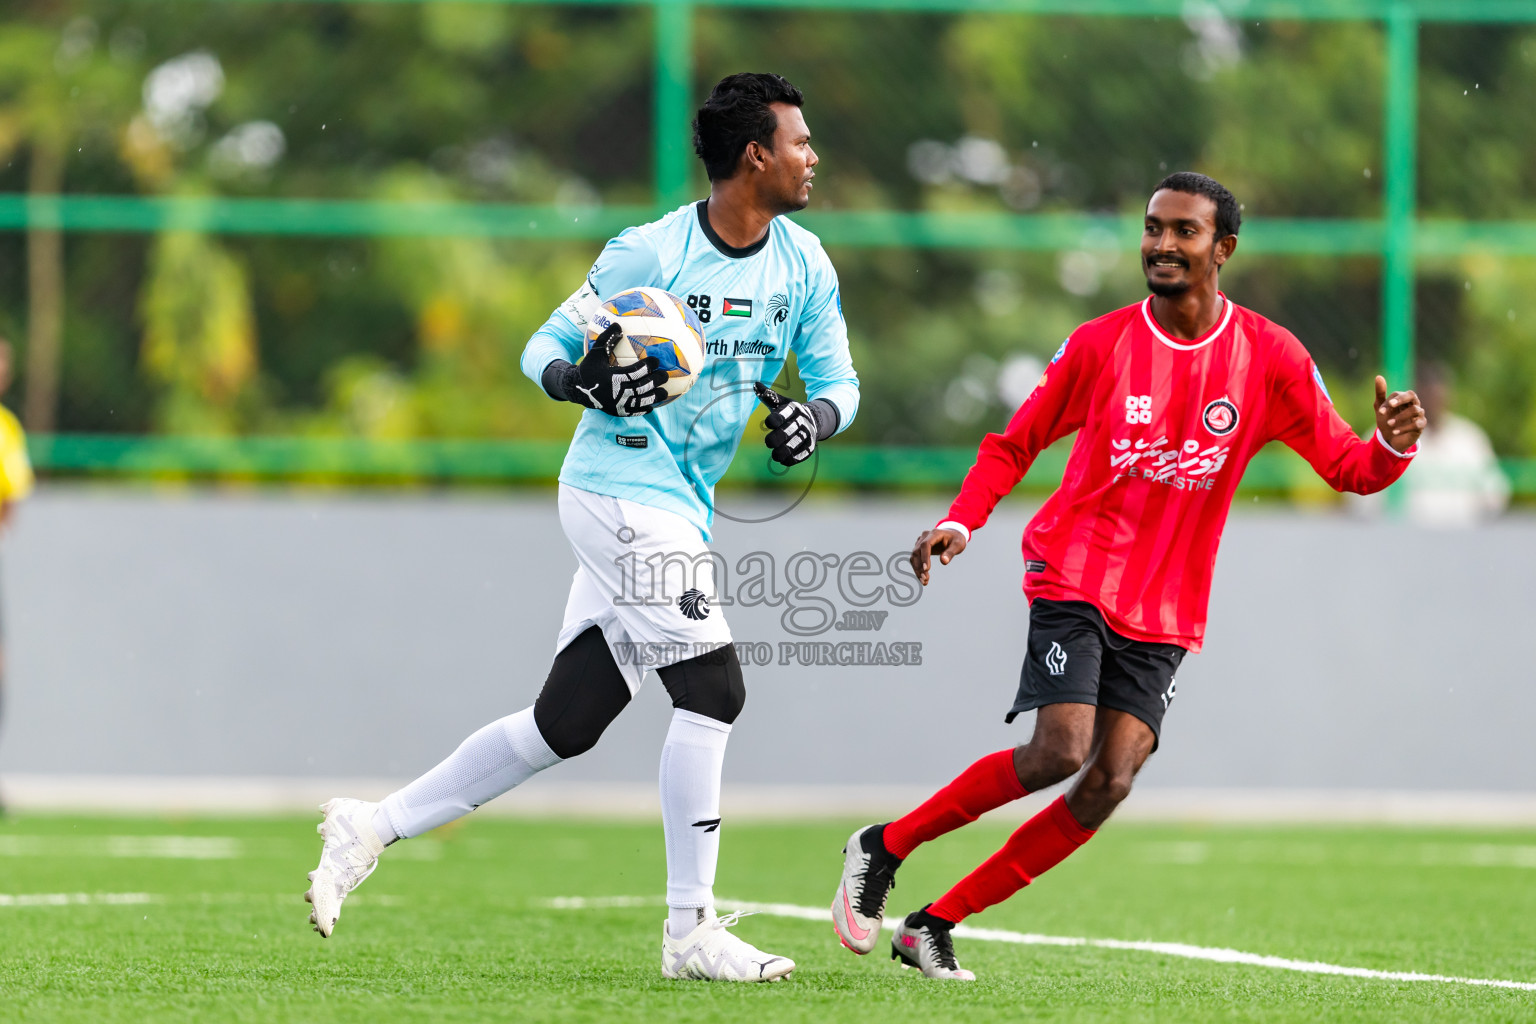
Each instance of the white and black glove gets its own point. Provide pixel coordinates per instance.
(596, 383)
(795, 427)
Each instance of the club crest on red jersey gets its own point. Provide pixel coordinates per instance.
(1220, 417)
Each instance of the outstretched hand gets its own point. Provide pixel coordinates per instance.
(1399, 416)
(944, 543)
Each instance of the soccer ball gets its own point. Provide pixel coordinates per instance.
(655, 323)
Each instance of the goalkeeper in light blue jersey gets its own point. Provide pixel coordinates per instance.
(636, 504)
(762, 286)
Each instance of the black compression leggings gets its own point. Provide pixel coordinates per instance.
(586, 691)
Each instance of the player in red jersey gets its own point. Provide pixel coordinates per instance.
(1171, 398)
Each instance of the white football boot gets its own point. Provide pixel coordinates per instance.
(869, 875)
(710, 953)
(350, 853)
(923, 941)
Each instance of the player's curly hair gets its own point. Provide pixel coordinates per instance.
(1228, 216)
(737, 113)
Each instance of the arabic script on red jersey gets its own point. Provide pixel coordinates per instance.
(1166, 428)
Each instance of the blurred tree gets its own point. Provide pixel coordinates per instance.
(55, 87)
(1497, 363)
(199, 336)
(552, 105)
(1294, 127)
(474, 302)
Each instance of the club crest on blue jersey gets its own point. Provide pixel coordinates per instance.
(778, 308)
(1220, 417)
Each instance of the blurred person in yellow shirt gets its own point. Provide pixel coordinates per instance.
(15, 467)
(15, 473)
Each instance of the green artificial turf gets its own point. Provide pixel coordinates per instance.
(457, 926)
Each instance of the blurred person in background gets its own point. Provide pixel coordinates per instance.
(15, 476)
(1456, 481)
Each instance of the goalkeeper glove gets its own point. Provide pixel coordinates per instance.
(795, 427)
(630, 390)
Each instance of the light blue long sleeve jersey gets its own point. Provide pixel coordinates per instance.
(757, 304)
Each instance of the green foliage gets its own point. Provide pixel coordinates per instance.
(397, 337)
(1475, 121)
(1296, 126)
(473, 303)
(57, 89)
(1500, 360)
(199, 335)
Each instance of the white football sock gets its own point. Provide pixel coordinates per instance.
(504, 754)
(382, 827)
(682, 920)
(691, 760)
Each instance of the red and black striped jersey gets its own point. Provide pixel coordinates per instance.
(1166, 428)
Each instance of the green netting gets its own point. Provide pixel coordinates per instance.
(331, 255)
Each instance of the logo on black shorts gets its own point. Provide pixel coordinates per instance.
(694, 604)
(1056, 659)
(1168, 695)
(1220, 417)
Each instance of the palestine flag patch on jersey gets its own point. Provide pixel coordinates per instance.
(737, 307)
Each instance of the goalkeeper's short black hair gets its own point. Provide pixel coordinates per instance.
(737, 113)
(1228, 217)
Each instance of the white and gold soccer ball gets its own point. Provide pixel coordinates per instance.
(655, 323)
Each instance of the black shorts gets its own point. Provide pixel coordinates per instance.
(1074, 658)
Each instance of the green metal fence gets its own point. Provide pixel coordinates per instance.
(1399, 237)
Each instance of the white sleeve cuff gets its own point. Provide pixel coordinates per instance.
(1410, 453)
(950, 524)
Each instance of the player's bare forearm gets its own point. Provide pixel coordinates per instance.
(944, 543)
(1399, 416)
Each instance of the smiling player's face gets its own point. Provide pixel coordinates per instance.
(1179, 247)
(791, 164)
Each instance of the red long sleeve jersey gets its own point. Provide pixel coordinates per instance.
(1166, 429)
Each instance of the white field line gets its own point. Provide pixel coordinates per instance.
(120, 899)
(171, 847)
(145, 847)
(1460, 855)
(603, 902)
(75, 899)
(1178, 949)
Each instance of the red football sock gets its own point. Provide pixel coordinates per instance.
(1040, 844)
(990, 782)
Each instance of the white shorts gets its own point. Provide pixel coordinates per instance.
(645, 577)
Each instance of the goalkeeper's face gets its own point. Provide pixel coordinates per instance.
(792, 163)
